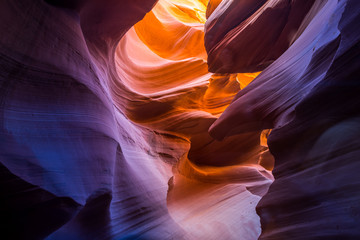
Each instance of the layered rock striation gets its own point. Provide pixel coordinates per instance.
(104, 128)
(309, 96)
(150, 120)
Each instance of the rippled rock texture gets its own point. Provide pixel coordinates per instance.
(310, 97)
(104, 127)
(145, 119)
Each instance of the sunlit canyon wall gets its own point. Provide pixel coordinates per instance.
(144, 119)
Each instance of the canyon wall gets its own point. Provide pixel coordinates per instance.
(145, 119)
(309, 96)
(104, 129)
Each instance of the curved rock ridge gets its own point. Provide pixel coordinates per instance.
(105, 126)
(175, 96)
(110, 111)
(247, 36)
(318, 43)
(309, 96)
(172, 92)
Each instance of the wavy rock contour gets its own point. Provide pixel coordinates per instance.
(144, 119)
(309, 96)
(105, 127)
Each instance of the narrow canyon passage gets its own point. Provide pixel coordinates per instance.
(163, 59)
(179, 119)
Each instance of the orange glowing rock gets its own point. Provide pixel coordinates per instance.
(162, 64)
(107, 113)
(122, 109)
(162, 61)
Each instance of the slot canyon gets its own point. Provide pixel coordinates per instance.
(180, 119)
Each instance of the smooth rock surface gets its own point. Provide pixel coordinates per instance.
(310, 97)
(101, 118)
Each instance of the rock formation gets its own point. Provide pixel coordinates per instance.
(145, 119)
(309, 96)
